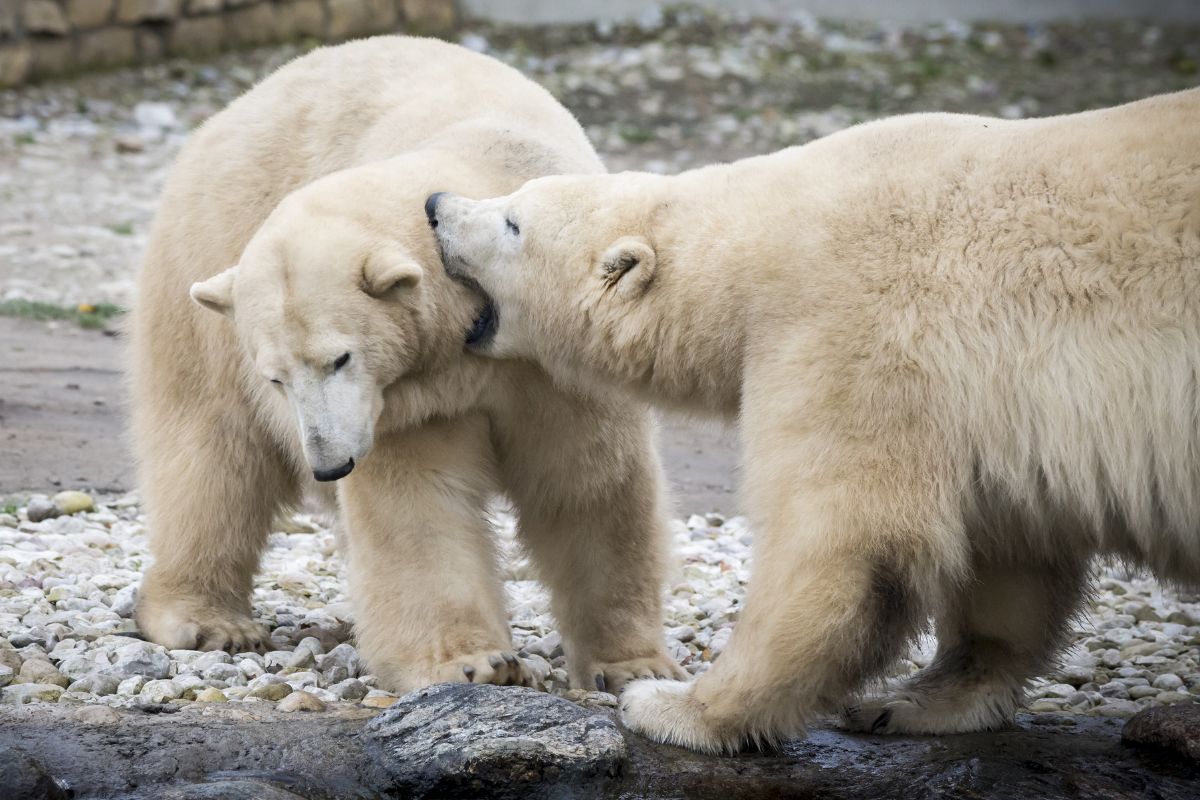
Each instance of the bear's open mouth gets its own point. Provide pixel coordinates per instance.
(484, 327)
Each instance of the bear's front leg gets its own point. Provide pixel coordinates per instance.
(850, 545)
(423, 575)
(212, 485)
(587, 487)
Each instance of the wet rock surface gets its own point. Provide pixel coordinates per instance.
(1174, 727)
(488, 742)
(459, 739)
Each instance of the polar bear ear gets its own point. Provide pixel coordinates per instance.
(216, 293)
(628, 265)
(381, 276)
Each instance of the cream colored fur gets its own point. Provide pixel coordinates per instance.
(964, 354)
(313, 184)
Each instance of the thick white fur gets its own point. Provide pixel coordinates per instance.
(964, 353)
(313, 184)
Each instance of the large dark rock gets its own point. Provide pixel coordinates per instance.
(1176, 727)
(464, 740)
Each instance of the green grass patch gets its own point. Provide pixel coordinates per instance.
(636, 135)
(10, 509)
(85, 316)
(122, 229)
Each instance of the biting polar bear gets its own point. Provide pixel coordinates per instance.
(964, 355)
(338, 352)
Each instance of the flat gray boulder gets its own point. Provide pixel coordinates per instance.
(466, 740)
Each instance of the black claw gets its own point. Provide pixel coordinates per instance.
(469, 671)
(510, 659)
(882, 720)
(601, 684)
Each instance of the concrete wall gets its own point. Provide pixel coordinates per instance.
(41, 38)
(533, 11)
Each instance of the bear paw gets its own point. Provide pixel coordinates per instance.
(614, 675)
(668, 712)
(501, 667)
(903, 715)
(186, 626)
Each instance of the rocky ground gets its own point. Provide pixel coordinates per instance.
(68, 584)
(81, 164)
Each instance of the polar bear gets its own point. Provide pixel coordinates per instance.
(964, 355)
(338, 352)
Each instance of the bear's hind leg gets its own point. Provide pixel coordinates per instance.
(423, 573)
(997, 631)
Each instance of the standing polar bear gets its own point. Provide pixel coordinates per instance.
(342, 356)
(964, 353)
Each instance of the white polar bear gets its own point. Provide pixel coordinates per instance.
(964, 354)
(343, 357)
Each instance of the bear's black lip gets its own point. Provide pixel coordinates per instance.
(483, 329)
(487, 319)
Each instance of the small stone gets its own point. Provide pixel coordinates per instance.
(349, 689)
(300, 659)
(97, 715)
(160, 691)
(21, 693)
(1057, 690)
(1039, 706)
(1138, 692)
(142, 658)
(1168, 681)
(378, 699)
(100, 685)
(271, 691)
(40, 510)
(548, 647)
(1077, 699)
(224, 672)
(45, 17)
(1118, 709)
(1167, 698)
(344, 655)
(72, 502)
(38, 671)
(300, 701)
(131, 686)
(211, 695)
(7, 674)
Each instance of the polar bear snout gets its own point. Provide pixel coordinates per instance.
(334, 474)
(431, 205)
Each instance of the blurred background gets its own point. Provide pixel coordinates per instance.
(101, 94)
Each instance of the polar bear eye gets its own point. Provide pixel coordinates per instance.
(512, 227)
(341, 361)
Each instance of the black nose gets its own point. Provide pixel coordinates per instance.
(431, 208)
(335, 473)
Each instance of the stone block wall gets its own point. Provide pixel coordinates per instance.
(44, 38)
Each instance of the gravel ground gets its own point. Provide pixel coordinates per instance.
(82, 163)
(68, 586)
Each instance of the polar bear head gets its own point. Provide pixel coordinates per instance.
(566, 262)
(331, 306)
